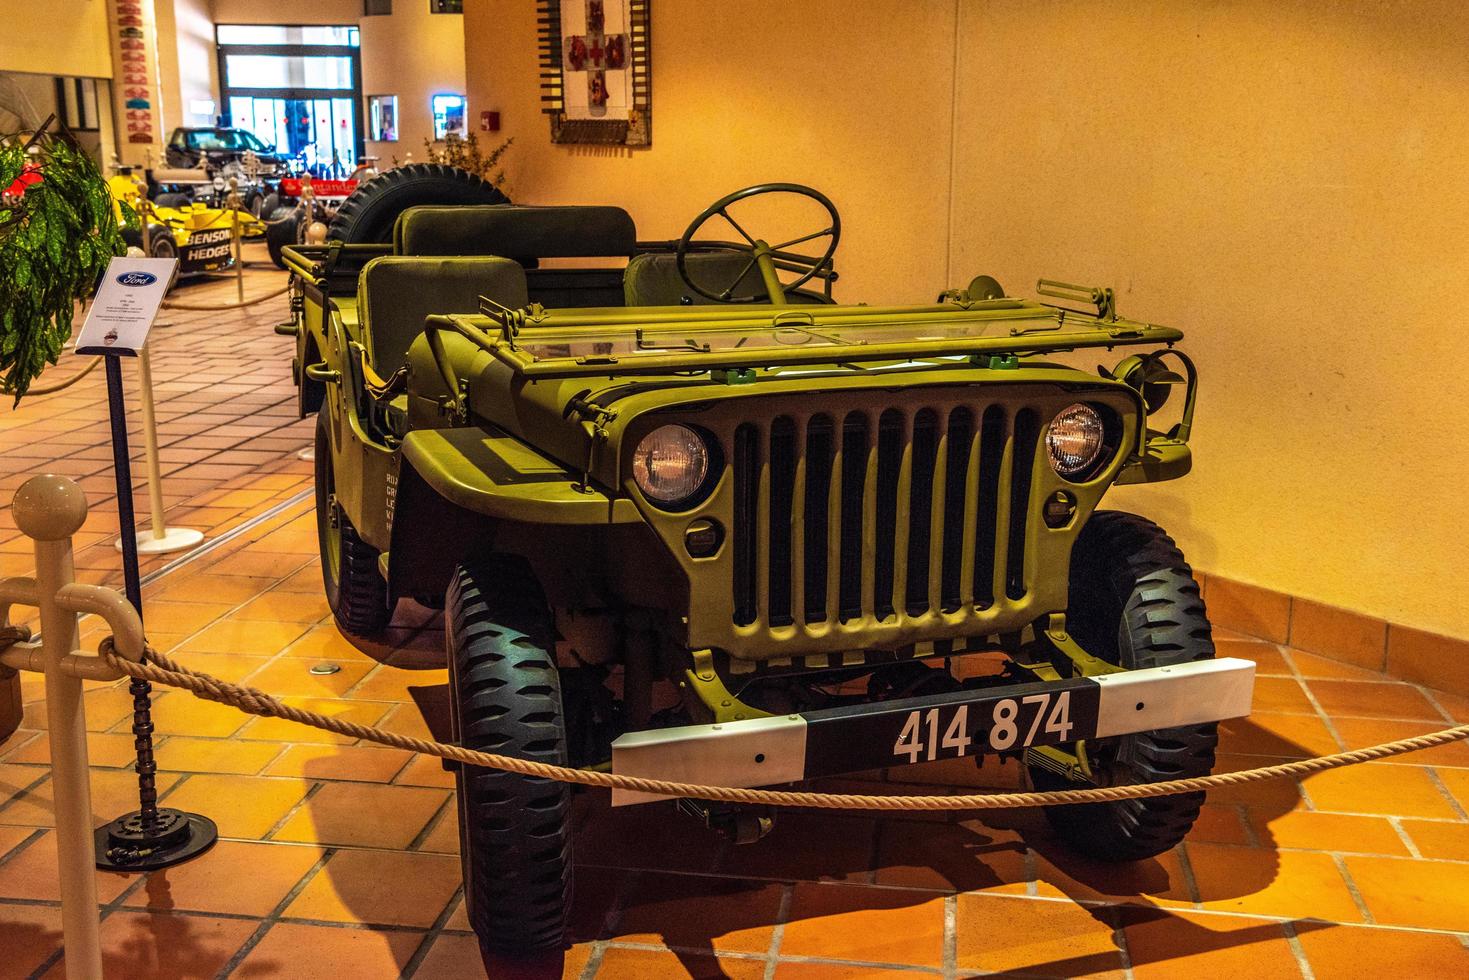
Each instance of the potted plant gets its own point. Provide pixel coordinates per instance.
(58, 230)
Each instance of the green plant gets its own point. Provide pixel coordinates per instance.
(465, 153)
(58, 229)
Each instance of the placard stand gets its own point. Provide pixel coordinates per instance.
(160, 538)
(149, 837)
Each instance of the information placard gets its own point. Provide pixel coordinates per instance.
(126, 303)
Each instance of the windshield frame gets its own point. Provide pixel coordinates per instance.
(538, 343)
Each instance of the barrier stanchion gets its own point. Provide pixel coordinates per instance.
(49, 510)
(159, 538)
(233, 202)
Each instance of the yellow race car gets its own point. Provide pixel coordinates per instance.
(200, 237)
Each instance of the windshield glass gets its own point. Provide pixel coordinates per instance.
(225, 139)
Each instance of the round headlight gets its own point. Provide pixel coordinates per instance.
(1074, 439)
(670, 464)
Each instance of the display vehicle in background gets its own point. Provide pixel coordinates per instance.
(200, 236)
(215, 147)
(287, 209)
(688, 518)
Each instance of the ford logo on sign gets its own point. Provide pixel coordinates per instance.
(137, 279)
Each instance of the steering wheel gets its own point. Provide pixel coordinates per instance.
(763, 256)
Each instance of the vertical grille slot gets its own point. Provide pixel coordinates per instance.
(925, 444)
(747, 466)
(782, 486)
(856, 440)
(992, 442)
(956, 485)
(885, 513)
(1027, 432)
(889, 464)
(820, 456)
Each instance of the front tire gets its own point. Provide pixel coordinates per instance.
(161, 244)
(355, 589)
(1134, 603)
(514, 831)
(280, 232)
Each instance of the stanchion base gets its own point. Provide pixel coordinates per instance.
(174, 539)
(123, 845)
(308, 454)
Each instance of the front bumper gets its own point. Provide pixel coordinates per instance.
(831, 741)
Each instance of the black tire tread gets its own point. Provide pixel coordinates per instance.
(1135, 602)
(358, 596)
(281, 233)
(516, 840)
(368, 214)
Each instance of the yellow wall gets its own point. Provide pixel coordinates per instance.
(820, 94)
(197, 60)
(60, 37)
(1284, 181)
(414, 55)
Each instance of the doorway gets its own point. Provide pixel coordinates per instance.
(298, 89)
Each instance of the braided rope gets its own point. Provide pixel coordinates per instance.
(52, 389)
(227, 306)
(161, 669)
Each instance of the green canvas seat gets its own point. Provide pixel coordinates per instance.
(395, 294)
(525, 233)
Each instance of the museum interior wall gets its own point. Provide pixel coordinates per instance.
(34, 44)
(414, 54)
(1284, 182)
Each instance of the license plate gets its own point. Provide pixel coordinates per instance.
(854, 738)
(966, 723)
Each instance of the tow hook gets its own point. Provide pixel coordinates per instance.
(740, 824)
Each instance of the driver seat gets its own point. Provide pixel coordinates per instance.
(652, 279)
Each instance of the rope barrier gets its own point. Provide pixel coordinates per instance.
(226, 306)
(52, 389)
(161, 669)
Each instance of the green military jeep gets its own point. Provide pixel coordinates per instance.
(689, 518)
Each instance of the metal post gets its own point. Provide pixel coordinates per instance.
(160, 538)
(148, 838)
(235, 241)
(150, 440)
(50, 509)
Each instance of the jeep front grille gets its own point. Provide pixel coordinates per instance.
(885, 515)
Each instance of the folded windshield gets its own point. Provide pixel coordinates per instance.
(849, 328)
(577, 341)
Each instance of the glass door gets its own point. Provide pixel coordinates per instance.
(297, 88)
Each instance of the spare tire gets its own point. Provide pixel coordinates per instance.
(281, 232)
(368, 216)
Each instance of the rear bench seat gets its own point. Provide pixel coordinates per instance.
(529, 234)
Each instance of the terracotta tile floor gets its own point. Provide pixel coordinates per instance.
(341, 859)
